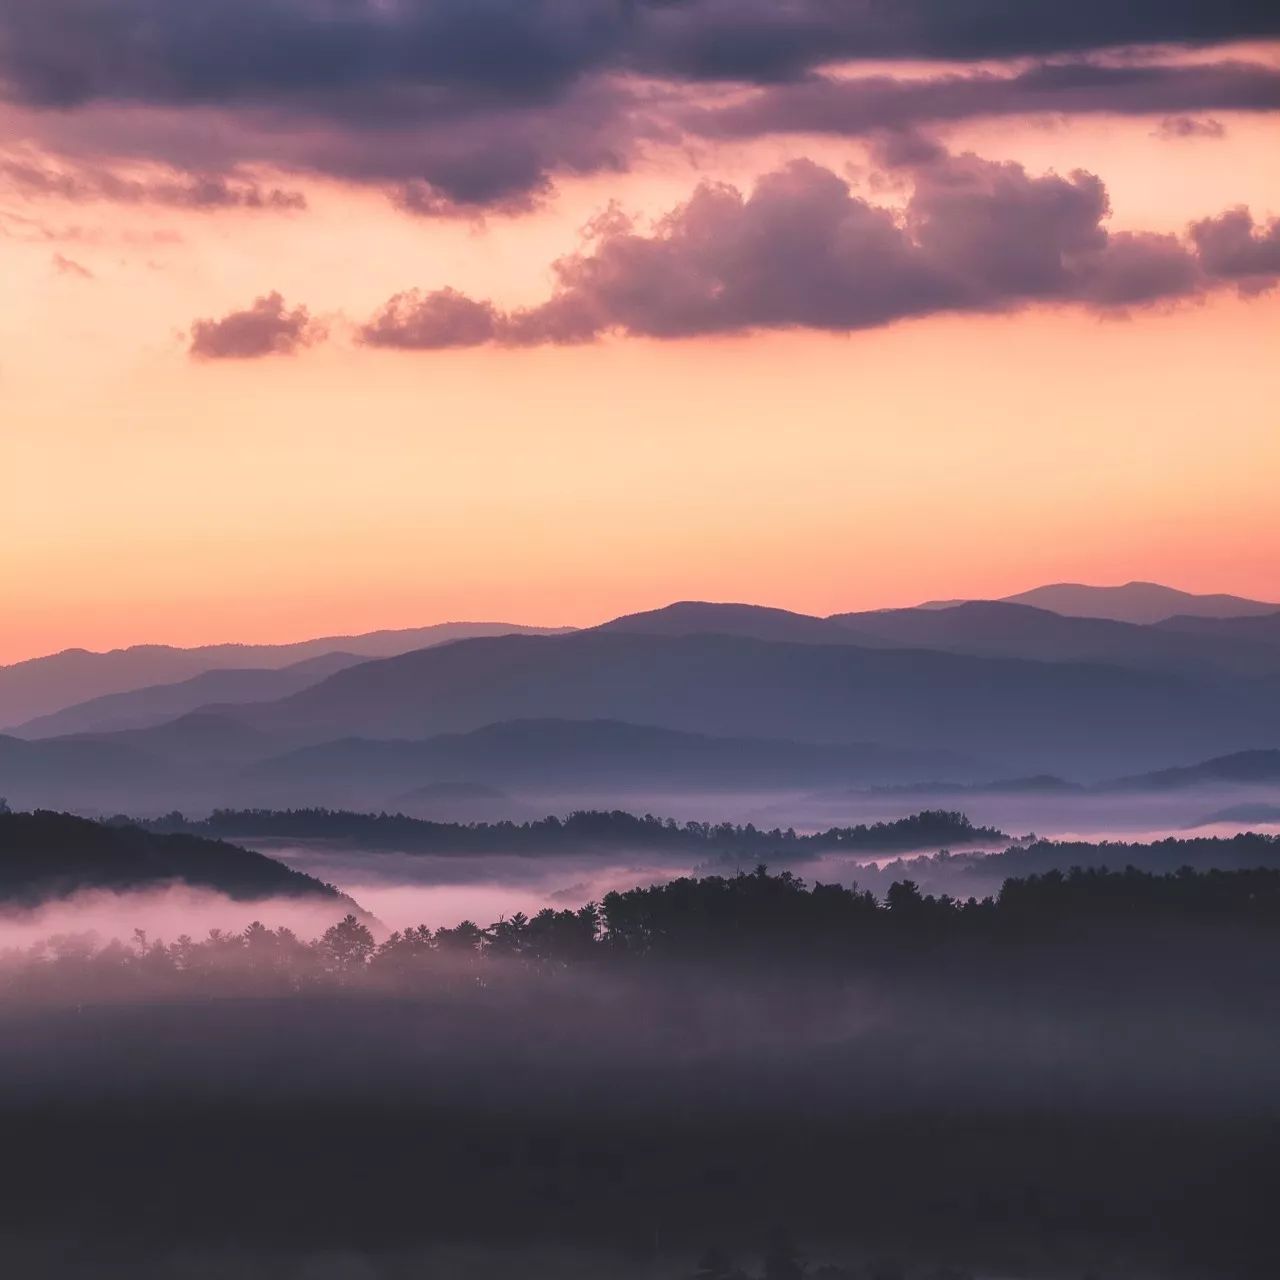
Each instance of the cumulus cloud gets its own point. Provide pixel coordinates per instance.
(431, 321)
(1233, 247)
(266, 328)
(802, 250)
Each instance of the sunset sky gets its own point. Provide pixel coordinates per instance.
(322, 316)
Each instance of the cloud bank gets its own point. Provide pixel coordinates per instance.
(459, 106)
(70, 52)
(857, 105)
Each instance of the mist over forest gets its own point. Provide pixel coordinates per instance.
(713, 1060)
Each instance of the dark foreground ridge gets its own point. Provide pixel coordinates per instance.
(582, 831)
(1072, 1079)
(45, 856)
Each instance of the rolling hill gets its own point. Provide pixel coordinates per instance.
(996, 628)
(578, 755)
(1240, 768)
(70, 773)
(754, 622)
(182, 763)
(1258, 628)
(45, 856)
(982, 628)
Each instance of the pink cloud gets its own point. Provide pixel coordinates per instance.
(802, 250)
(266, 328)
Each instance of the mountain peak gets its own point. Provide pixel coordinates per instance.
(1137, 602)
(751, 621)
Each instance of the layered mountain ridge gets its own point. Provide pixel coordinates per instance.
(694, 695)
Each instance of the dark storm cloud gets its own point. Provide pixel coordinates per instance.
(435, 155)
(266, 328)
(766, 39)
(67, 52)
(801, 250)
(459, 105)
(863, 104)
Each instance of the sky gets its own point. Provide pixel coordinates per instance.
(322, 316)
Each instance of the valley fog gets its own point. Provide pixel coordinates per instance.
(166, 914)
(404, 888)
(906, 1083)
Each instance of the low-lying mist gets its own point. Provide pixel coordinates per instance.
(94, 917)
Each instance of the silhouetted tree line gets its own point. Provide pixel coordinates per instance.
(582, 830)
(1244, 850)
(964, 873)
(741, 918)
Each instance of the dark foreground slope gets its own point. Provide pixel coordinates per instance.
(46, 855)
(1075, 1079)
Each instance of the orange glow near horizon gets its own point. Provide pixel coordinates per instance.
(150, 499)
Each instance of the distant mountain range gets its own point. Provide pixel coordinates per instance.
(1001, 629)
(154, 704)
(1137, 602)
(41, 686)
(1247, 646)
(693, 696)
(1057, 715)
